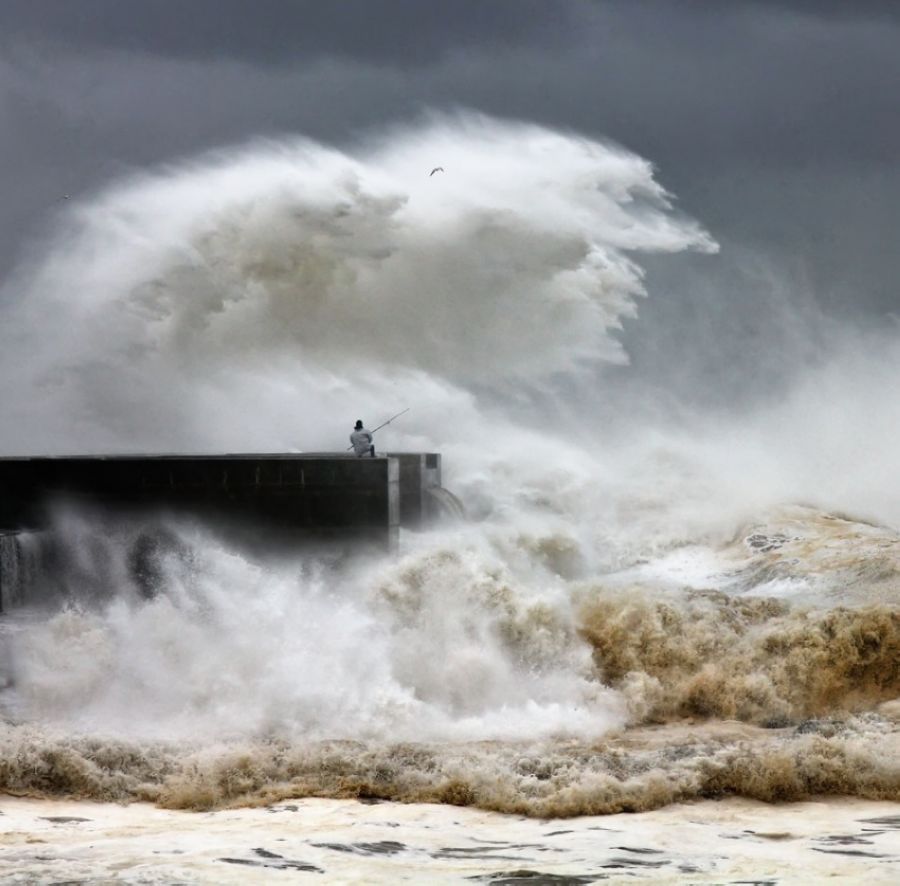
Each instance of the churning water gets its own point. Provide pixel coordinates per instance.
(640, 610)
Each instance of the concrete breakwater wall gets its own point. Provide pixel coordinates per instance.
(297, 498)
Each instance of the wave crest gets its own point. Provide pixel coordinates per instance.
(751, 659)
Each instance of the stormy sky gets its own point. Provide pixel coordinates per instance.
(776, 124)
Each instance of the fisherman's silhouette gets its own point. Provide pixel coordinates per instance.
(361, 439)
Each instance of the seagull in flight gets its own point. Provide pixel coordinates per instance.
(436, 169)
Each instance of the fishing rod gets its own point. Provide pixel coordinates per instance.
(386, 423)
(391, 419)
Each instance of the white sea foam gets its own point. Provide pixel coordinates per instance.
(711, 842)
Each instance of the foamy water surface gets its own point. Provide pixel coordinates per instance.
(345, 841)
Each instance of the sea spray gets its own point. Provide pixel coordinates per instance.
(281, 287)
(449, 644)
(607, 633)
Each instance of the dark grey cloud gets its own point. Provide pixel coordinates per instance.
(275, 31)
(845, 9)
(390, 30)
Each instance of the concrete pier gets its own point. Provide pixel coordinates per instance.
(419, 473)
(268, 499)
(321, 495)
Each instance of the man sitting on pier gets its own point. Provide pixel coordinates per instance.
(362, 440)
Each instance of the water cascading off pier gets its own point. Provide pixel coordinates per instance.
(290, 499)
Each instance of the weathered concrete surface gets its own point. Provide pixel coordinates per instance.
(332, 496)
(419, 472)
(268, 499)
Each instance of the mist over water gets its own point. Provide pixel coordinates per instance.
(628, 564)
